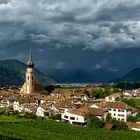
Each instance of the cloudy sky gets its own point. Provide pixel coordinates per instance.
(72, 34)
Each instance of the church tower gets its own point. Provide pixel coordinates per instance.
(28, 86)
(30, 75)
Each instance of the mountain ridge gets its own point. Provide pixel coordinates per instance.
(82, 75)
(12, 72)
(132, 76)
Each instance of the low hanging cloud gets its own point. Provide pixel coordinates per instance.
(99, 25)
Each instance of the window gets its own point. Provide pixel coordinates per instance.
(114, 114)
(120, 110)
(77, 118)
(114, 109)
(121, 115)
(66, 117)
(72, 118)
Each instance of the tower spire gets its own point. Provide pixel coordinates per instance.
(30, 61)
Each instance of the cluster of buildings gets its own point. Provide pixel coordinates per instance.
(67, 103)
(112, 105)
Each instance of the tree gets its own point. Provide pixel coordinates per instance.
(108, 118)
(93, 121)
(131, 119)
(86, 92)
(129, 102)
(49, 88)
(45, 92)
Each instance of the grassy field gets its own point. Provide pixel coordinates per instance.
(137, 103)
(15, 128)
(12, 119)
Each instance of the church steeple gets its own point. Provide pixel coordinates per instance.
(28, 86)
(30, 61)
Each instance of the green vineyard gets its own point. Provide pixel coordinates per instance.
(25, 129)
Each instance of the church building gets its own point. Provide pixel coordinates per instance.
(29, 85)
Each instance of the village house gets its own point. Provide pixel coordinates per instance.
(24, 106)
(74, 116)
(69, 94)
(22, 103)
(137, 92)
(7, 99)
(4, 103)
(129, 93)
(60, 106)
(44, 109)
(113, 97)
(77, 116)
(29, 108)
(118, 110)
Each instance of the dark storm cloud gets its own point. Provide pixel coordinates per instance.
(4, 1)
(89, 28)
(66, 22)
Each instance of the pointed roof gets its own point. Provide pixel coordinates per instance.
(30, 61)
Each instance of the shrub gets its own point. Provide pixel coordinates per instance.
(118, 125)
(55, 117)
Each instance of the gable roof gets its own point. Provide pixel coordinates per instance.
(87, 110)
(115, 105)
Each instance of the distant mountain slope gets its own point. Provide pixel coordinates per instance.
(132, 76)
(82, 76)
(12, 72)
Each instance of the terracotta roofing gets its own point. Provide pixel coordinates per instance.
(133, 125)
(94, 111)
(4, 100)
(67, 93)
(137, 90)
(87, 110)
(7, 93)
(25, 99)
(115, 95)
(115, 105)
(101, 105)
(63, 104)
(76, 112)
(46, 106)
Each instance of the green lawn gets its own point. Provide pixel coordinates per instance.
(51, 130)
